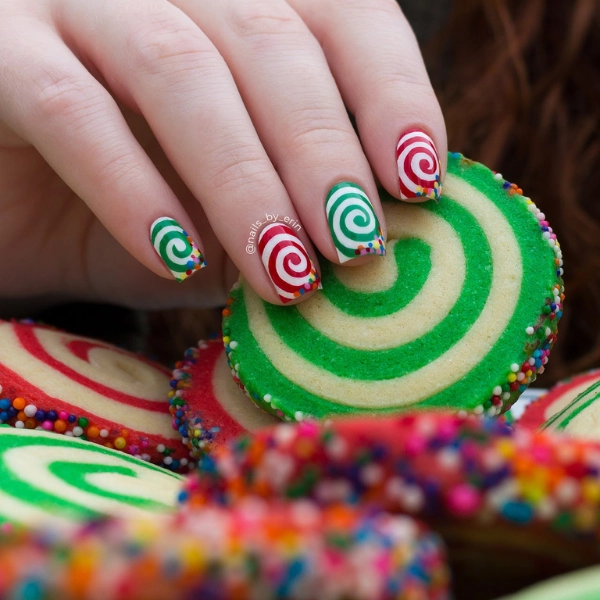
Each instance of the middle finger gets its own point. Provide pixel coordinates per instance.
(298, 112)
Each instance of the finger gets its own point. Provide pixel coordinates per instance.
(74, 123)
(154, 54)
(301, 120)
(376, 62)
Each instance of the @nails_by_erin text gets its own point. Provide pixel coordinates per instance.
(269, 218)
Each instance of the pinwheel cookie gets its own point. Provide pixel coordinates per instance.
(513, 505)
(461, 313)
(87, 388)
(47, 479)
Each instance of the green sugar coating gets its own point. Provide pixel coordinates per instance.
(477, 390)
(20, 451)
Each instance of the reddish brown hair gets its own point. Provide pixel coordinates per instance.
(519, 84)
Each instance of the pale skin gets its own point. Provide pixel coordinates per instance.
(213, 112)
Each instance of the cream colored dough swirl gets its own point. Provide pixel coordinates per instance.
(564, 401)
(430, 306)
(448, 368)
(13, 509)
(113, 369)
(107, 366)
(234, 402)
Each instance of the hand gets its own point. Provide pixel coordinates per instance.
(218, 114)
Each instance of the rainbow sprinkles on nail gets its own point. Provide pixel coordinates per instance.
(353, 223)
(418, 166)
(176, 248)
(287, 262)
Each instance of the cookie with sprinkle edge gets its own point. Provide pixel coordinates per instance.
(461, 314)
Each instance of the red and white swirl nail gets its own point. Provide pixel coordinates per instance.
(418, 166)
(287, 262)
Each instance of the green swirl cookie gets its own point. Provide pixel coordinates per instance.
(461, 313)
(49, 478)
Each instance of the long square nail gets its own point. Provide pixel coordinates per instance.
(354, 226)
(287, 262)
(418, 166)
(176, 248)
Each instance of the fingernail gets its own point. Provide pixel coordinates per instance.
(353, 223)
(287, 262)
(176, 248)
(418, 166)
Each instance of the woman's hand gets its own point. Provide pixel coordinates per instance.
(125, 122)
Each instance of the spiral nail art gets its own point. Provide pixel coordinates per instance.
(353, 223)
(176, 248)
(418, 166)
(287, 262)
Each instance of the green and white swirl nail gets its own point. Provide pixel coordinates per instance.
(353, 223)
(176, 248)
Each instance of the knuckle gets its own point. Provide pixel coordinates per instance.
(62, 95)
(241, 168)
(406, 78)
(163, 44)
(310, 130)
(263, 19)
(120, 168)
(388, 7)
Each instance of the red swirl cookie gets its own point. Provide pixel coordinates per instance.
(208, 408)
(89, 389)
(526, 502)
(557, 398)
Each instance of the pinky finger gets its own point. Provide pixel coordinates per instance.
(77, 127)
(377, 64)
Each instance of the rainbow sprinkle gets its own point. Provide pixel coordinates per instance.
(451, 466)
(257, 550)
